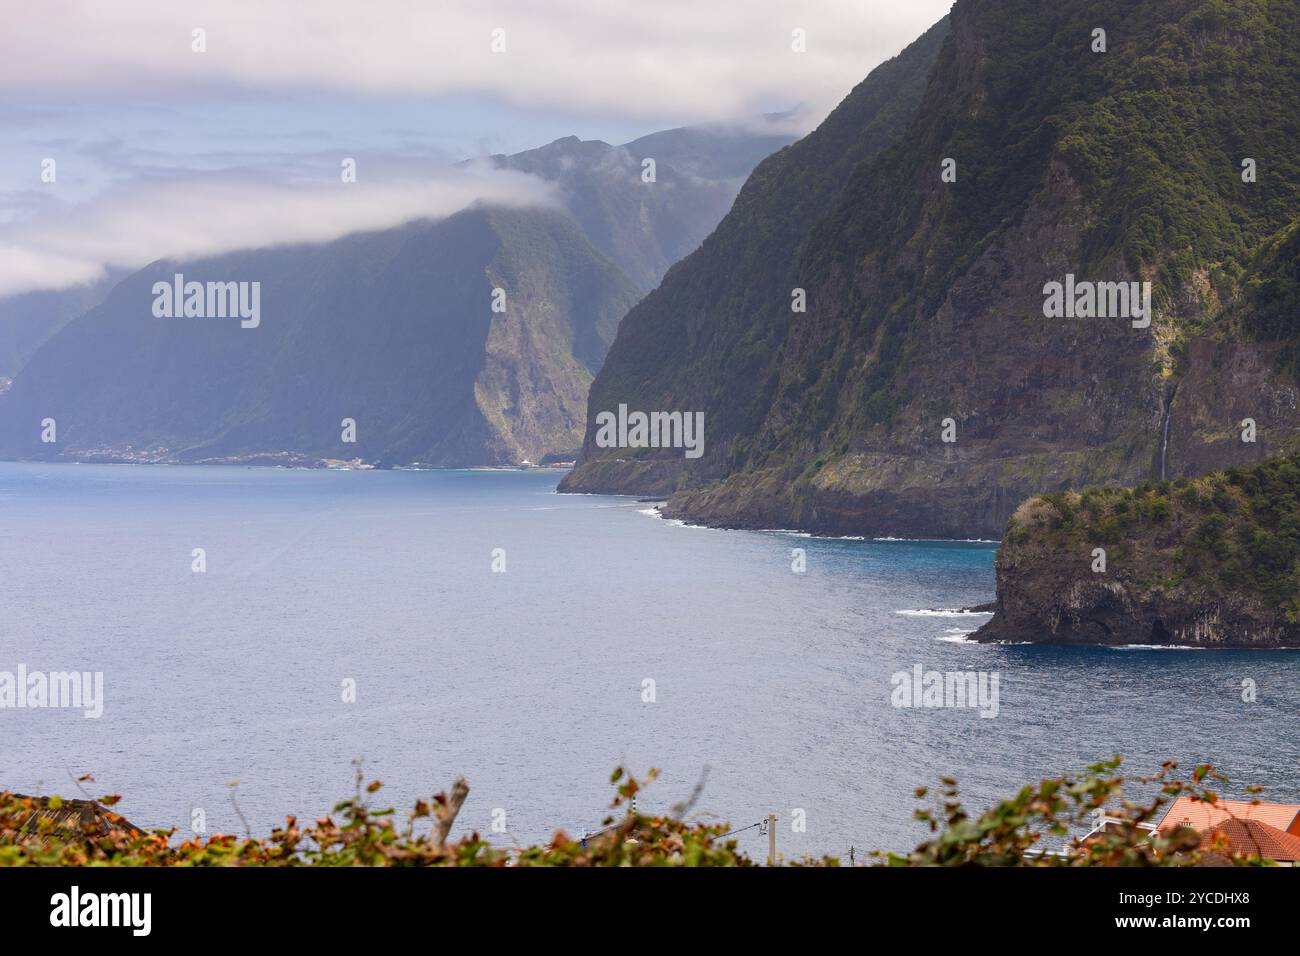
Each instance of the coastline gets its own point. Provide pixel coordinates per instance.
(284, 460)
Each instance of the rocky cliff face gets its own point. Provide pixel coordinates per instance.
(709, 337)
(1211, 562)
(926, 390)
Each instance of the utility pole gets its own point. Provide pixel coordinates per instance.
(771, 839)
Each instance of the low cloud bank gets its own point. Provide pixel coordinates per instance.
(209, 215)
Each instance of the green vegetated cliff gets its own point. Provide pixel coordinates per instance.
(708, 337)
(925, 298)
(1211, 561)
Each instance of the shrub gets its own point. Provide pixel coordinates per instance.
(1012, 833)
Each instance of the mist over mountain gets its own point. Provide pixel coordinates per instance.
(646, 228)
(400, 330)
(926, 390)
(394, 330)
(29, 319)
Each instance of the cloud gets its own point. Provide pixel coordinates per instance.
(155, 160)
(699, 61)
(207, 215)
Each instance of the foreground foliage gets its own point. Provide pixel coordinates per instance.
(367, 836)
(1031, 829)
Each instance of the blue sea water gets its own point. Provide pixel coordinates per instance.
(530, 682)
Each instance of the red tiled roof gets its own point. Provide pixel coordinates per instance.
(1253, 838)
(1202, 816)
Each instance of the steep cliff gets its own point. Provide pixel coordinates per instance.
(928, 389)
(392, 329)
(1209, 562)
(708, 338)
(28, 320)
(395, 330)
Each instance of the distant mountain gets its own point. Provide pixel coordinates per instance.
(393, 329)
(1167, 158)
(29, 319)
(646, 227)
(717, 152)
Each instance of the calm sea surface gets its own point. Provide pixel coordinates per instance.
(530, 682)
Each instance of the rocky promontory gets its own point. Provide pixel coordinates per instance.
(1206, 562)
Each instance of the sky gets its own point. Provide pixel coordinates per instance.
(187, 127)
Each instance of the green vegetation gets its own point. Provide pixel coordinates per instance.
(710, 336)
(1193, 91)
(924, 296)
(1153, 131)
(1015, 832)
(369, 836)
(1272, 285)
(1229, 530)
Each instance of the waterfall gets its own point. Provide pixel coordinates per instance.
(1164, 430)
(1164, 445)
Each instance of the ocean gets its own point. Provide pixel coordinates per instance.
(350, 618)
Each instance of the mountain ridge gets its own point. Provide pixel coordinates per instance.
(925, 297)
(394, 330)
(715, 321)
(346, 319)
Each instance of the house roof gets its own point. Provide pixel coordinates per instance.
(1202, 816)
(74, 818)
(1253, 838)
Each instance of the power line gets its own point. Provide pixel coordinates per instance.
(740, 830)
